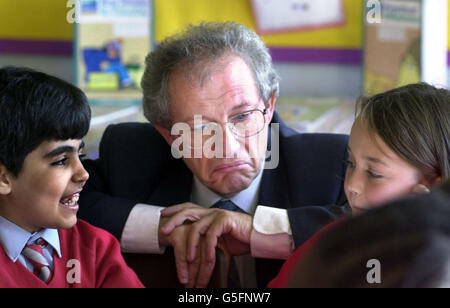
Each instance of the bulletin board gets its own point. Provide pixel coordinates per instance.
(399, 35)
(340, 43)
(407, 46)
(112, 39)
(173, 15)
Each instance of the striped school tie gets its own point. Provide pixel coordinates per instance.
(34, 254)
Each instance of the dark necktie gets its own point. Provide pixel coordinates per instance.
(233, 276)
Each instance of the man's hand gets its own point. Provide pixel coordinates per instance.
(210, 228)
(234, 228)
(186, 271)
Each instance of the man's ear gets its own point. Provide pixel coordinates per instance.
(5, 180)
(270, 107)
(165, 133)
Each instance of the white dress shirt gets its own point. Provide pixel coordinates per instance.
(270, 225)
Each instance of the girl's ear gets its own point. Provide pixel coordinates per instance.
(5, 182)
(430, 182)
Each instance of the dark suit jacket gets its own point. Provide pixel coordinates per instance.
(136, 166)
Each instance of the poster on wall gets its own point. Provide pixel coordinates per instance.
(112, 40)
(407, 45)
(273, 16)
(399, 36)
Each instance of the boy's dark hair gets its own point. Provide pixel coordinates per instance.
(36, 107)
(410, 238)
(413, 121)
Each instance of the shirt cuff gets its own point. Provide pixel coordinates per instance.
(271, 225)
(141, 234)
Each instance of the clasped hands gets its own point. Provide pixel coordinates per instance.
(195, 233)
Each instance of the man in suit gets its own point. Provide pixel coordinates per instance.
(210, 95)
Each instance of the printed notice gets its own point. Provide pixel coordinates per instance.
(287, 15)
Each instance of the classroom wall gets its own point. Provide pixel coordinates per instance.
(296, 80)
(35, 20)
(337, 73)
(175, 14)
(60, 66)
(46, 20)
(31, 26)
(35, 33)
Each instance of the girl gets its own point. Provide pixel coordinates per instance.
(415, 254)
(399, 145)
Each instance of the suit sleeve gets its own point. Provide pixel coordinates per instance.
(97, 206)
(306, 221)
(324, 185)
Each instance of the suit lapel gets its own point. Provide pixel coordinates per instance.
(274, 192)
(274, 189)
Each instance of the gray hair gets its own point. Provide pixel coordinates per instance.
(204, 42)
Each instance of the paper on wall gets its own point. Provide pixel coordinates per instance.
(282, 15)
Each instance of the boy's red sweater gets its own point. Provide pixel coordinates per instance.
(91, 251)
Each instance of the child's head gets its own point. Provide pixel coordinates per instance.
(412, 250)
(42, 121)
(400, 139)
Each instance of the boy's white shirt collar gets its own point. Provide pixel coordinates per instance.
(14, 239)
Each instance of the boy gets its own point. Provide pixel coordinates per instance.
(42, 121)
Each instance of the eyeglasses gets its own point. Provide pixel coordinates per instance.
(210, 134)
(242, 125)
